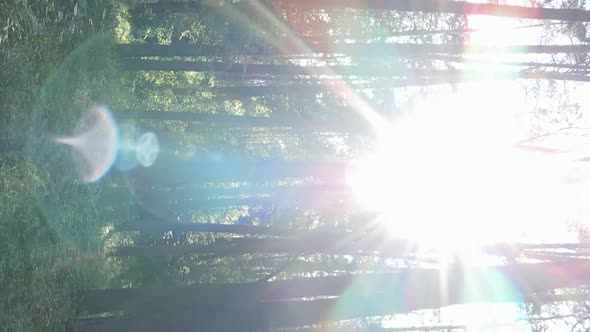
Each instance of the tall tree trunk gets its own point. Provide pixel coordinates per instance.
(162, 226)
(530, 278)
(375, 49)
(372, 83)
(326, 200)
(370, 243)
(470, 60)
(226, 166)
(318, 197)
(265, 305)
(243, 92)
(445, 6)
(301, 91)
(428, 6)
(315, 242)
(345, 122)
(340, 70)
(384, 35)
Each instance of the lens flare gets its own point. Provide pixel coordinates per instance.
(126, 159)
(97, 145)
(136, 148)
(147, 149)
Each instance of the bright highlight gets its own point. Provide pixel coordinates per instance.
(448, 175)
(97, 145)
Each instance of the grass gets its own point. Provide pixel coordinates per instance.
(56, 61)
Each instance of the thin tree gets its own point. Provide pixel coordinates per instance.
(374, 49)
(375, 70)
(280, 304)
(345, 121)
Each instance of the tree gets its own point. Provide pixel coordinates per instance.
(346, 121)
(266, 304)
(361, 242)
(448, 6)
(239, 228)
(338, 70)
(373, 49)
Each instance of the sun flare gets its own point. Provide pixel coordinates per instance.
(448, 175)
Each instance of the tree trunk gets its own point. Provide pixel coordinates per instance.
(314, 242)
(243, 92)
(140, 299)
(246, 70)
(321, 198)
(340, 37)
(469, 60)
(428, 6)
(151, 226)
(226, 166)
(530, 278)
(372, 243)
(375, 49)
(266, 305)
(346, 122)
(303, 92)
(445, 6)
(340, 70)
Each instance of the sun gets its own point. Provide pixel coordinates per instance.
(446, 175)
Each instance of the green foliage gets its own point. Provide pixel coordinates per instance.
(57, 61)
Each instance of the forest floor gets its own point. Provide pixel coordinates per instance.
(56, 62)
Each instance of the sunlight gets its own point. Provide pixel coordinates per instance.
(448, 176)
(496, 31)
